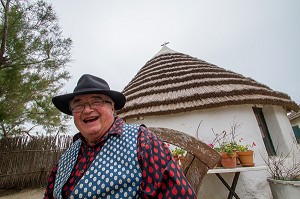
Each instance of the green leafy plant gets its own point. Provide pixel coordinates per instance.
(228, 148)
(242, 147)
(177, 152)
(226, 142)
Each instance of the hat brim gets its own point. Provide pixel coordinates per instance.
(62, 102)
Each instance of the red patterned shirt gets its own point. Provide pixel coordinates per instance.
(161, 175)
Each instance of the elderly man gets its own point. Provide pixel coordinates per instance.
(109, 158)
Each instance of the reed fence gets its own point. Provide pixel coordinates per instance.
(27, 162)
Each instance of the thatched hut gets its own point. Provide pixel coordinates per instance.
(179, 92)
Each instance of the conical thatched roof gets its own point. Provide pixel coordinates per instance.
(294, 115)
(173, 82)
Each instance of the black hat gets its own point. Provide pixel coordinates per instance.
(88, 84)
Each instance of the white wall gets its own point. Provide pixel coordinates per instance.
(281, 130)
(221, 119)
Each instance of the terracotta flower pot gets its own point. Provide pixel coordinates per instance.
(227, 161)
(246, 158)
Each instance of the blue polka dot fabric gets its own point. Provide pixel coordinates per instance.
(115, 173)
(66, 164)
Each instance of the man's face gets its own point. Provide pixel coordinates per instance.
(93, 115)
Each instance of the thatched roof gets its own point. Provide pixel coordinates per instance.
(173, 82)
(294, 115)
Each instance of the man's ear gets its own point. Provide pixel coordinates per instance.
(113, 107)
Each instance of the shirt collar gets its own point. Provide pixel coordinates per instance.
(116, 127)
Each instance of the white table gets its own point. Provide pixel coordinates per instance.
(236, 172)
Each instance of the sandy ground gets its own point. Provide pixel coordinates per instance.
(29, 193)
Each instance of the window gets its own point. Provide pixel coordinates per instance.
(264, 131)
(296, 130)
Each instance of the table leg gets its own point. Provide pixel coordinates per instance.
(233, 186)
(234, 183)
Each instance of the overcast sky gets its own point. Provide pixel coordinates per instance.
(113, 39)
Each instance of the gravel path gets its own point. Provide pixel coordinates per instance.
(36, 193)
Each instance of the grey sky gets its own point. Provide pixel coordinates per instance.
(113, 39)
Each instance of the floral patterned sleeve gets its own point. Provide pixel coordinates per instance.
(50, 186)
(162, 177)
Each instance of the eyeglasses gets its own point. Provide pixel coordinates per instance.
(79, 107)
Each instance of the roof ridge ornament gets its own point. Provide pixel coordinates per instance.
(165, 44)
(164, 50)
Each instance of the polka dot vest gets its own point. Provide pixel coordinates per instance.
(115, 172)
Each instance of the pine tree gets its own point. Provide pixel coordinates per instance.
(33, 60)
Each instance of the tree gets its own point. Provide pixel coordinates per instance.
(33, 60)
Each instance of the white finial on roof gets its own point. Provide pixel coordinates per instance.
(164, 44)
(164, 50)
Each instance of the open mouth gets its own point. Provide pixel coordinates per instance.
(90, 119)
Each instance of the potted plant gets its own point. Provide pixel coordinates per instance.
(245, 154)
(226, 145)
(284, 177)
(178, 154)
(228, 152)
(230, 149)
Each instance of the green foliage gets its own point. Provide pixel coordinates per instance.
(177, 151)
(33, 57)
(242, 148)
(226, 142)
(232, 147)
(228, 148)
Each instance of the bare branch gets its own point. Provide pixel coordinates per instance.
(3, 3)
(197, 132)
(283, 167)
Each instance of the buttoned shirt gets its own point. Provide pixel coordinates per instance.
(162, 177)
